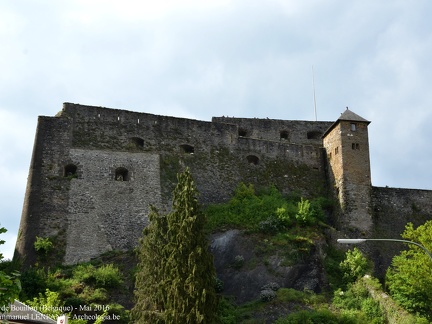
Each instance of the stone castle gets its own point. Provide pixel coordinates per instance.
(95, 171)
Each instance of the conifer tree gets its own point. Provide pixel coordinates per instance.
(175, 280)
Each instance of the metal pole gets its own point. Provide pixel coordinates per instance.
(356, 241)
(314, 97)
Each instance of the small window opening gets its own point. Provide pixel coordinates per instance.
(137, 141)
(242, 132)
(252, 159)
(355, 146)
(314, 135)
(336, 150)
(138, 120)
(187, 149)
(98, 115)
(353, 127)
(70, 170)
(284, 135)
(118, 118)
(121, 174)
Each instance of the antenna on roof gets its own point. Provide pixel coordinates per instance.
(314, 97)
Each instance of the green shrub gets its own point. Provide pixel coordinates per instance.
(108, 276)
(227, 312)
(356, 299)
(409, 278)
(219, 285)
(104, 276)
(268, 211)
(323, 316)
(75, 302)
(43, 244)
(289, 295)
(33, 281)
(48, 303)
(355, 265)
(84, 273)
(94, 295)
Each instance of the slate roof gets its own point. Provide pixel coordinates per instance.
(347, 115)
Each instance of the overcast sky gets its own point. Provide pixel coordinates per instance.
(198, 59)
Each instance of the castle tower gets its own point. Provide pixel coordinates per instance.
(347, 147)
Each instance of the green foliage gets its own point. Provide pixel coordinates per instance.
(304, 212)
(355, 265)
(73, 287)
(9, 282)
(48, 303)
(33, 280)
(356, 301)
(268, 211)
(332, 268)
(108, 276)
(409, 278)
(104, 276)
(321, 316)
(227, 312)
(43, 245)
(175, 278)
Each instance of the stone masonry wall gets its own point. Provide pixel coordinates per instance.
(45, 202)
(104, 214)
(89, 212)
(393, 208)
(348, 154)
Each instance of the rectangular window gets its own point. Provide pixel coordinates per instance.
(353, 127)
(337, 150)
(355, 146)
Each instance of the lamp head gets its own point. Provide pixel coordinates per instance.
(351, 241)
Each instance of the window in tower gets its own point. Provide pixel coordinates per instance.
(252, 159)
(284, 134)
(189, 149)
(242, 132)
(353, 127)
(121, 174)
(137, 142)
(70, 171)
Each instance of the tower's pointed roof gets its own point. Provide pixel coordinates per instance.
(347, 115)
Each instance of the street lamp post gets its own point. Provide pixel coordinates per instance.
(356, 241)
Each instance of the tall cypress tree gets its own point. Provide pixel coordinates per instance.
(175, 280)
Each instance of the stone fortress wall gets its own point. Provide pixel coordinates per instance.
(74, 194)
(95, 171)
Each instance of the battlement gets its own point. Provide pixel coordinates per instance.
(285, 131)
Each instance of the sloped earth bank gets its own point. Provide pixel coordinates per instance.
(245, 264)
